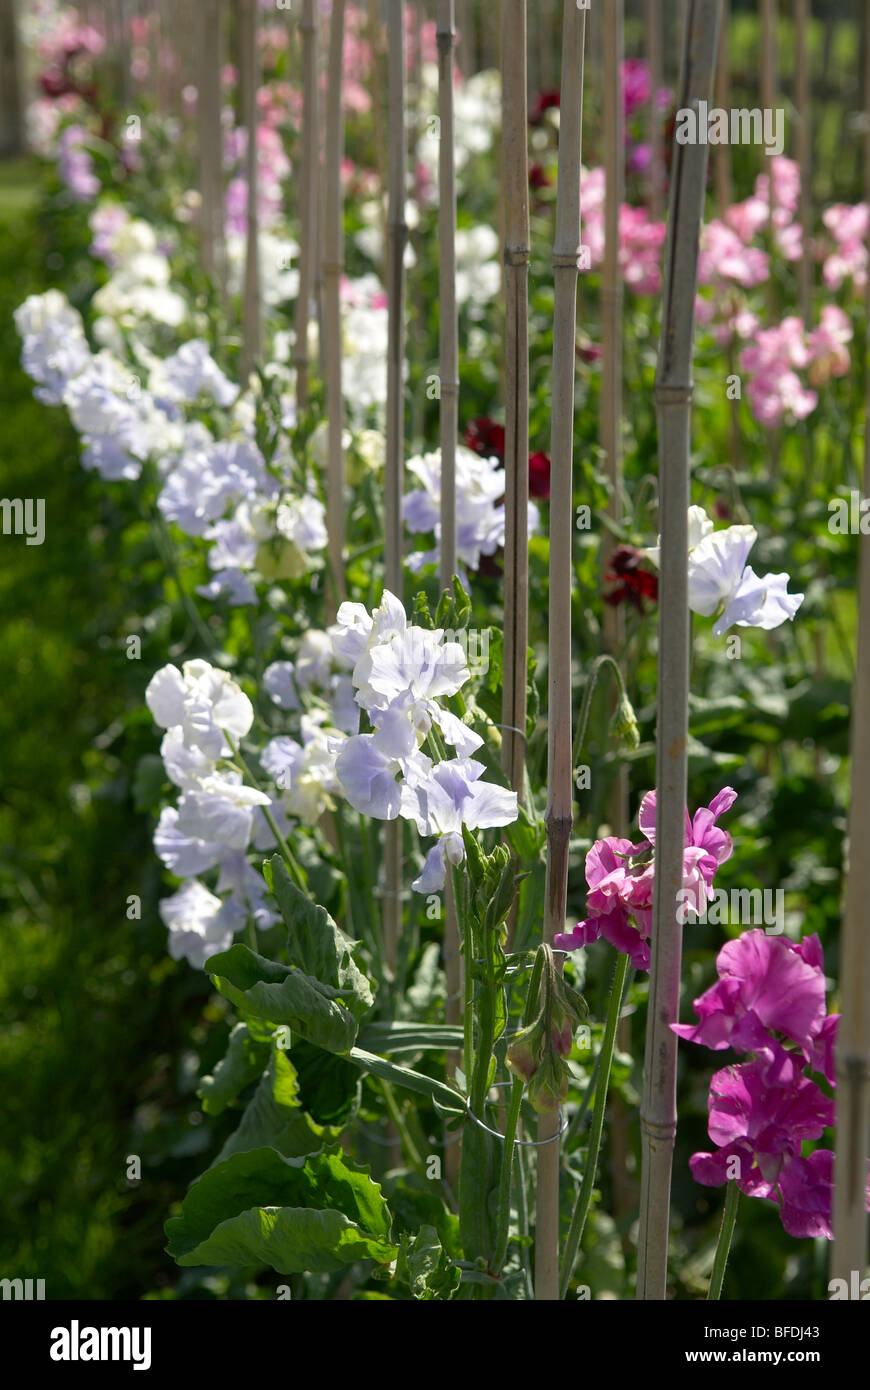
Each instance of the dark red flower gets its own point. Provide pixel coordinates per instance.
(485, 437)
(543, 102)
(538, 177)
(539, 475)
(634, 584)
(589, 352)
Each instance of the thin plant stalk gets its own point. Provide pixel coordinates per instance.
(448, 353)
(853, 1041)
(560, 777)
(307, 200)
(252, 313)
(674, 391)
(723, 1244)
(209, 132)
(605, 1064)
(516, 274)
(333, 265)
(397, 235)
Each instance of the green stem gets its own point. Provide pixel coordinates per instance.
(723, 1246)
(584, 1196)
(504, 1184)
(395, 1112)
(592, 681)
(295, 872)
(166, 549)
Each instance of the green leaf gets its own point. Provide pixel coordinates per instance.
(329, 1085)
(410, 1037)
(317, 945)
(243, 1062)
(411, 1080)
(275, 1118)
(283, 994)
(424, 1267)
(258, 1208)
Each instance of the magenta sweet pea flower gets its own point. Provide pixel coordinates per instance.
(766, 985)
(620, 879)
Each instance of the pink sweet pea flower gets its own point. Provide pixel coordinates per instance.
(766, 984)
(619, 900)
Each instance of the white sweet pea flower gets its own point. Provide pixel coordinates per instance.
(185, 765)
(200, 925)
(764, 603)
(450, 797)
(203, 703)
(221, 810)
(716, 566)
(720, 581)
(280, 684)
(700, 526)
(184, 855)
(302, 521)
(350, 633)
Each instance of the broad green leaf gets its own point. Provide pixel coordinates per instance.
(274, 1116)
(243, 1062)
(293, 1240)
(329, 1085)
(316, 944)
(283, 994)
(425, 1268)
(260, 1208)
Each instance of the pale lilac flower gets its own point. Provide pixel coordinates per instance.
(54, 347)
(480, 513)
(192, 372)
(451, 796)
(280, 686)
(203, 703)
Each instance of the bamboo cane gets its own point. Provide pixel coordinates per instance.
(674, 403)
(722, 153)
(559, 816)
(768, 80)
(448, 365)
(333, 264)
(805, 148)
(210, 139)
(252, 315)
(397, 235)
(656, 179)
(308, 200)
(852, 1145)
(516, 276)
(611, 341)
(448, 321)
